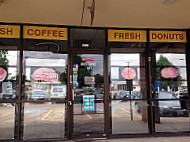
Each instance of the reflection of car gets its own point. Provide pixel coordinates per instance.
(135, 95)
(170, 107)
(39, 95)
(58, 92)
(138, 102)
(166, 107)
(11, 94)
(121, 94)
(183, 95)
(78, 96)
(99, 96)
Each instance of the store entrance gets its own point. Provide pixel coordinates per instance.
(87, 95)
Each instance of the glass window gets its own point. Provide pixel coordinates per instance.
(9, 69)
(128, 81)
(171, 117)
(129, 117)
(45, 69)
(88, 94)
(169, 75)
(44, 120)
(7, 116)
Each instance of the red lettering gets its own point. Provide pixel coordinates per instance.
(132, 36)
(48, 32)
(126, 35)
(181, 36)
(54, 32)
(137, 36)
(2, 31)
(61, 33)
(9, 31)
(153, 36)
(43, 32)
(160, 36)
(165, 36)
(171, 36)
(121, 35)
(37, 32)
(115, 35)
(176, 36)
(30, 33)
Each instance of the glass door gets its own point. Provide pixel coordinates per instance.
(87, 94)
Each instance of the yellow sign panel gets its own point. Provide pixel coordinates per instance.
(50, 33)
(168, 36)
(127, 35)
(9, 31)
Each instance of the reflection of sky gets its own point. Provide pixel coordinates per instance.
(98, 59)
(125, 59)
(176, 59)
(12, 57)
(35, 59)
(45, 62)
(49, 59)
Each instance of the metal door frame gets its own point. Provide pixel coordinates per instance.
(70, 101)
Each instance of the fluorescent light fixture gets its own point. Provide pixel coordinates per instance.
(168, 2)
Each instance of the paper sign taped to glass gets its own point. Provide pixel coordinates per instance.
(46, 74)
(169, 72)
(88, 103)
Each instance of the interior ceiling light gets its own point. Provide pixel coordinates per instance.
(168, 2)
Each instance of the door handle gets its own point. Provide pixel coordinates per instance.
(71, 80)
(70, 103)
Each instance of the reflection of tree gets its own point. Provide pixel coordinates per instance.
(3, 63)
(171, 82)
(63, 76)
(99, 80)
(82, 71)
(3, 60)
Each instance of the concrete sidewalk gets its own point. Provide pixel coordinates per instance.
(150, 139)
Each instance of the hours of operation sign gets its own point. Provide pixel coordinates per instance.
(88, 103)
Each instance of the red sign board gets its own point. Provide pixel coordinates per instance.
(87, 59)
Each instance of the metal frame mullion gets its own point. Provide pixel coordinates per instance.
(106, 90)
(188, 67)
(150, 114)
(20, 86)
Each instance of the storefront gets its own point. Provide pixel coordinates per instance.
(63, 82)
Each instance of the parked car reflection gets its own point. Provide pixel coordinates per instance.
(99, 96)
(39, 95)
(9, 95)
(166, 107)
(121, 94)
